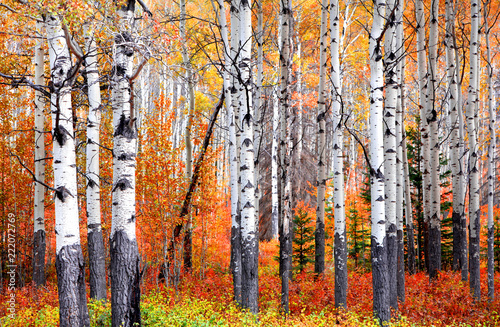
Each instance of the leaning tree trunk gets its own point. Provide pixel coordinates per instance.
(39, 210)
(424, 128)
(97, 270)
(319, 264)
(125, 277)
(381, 308)
(472, 107)
(390, 150)
(491, 163)
(249, 237)
(69, 260)
(340, 239)
(432, 120)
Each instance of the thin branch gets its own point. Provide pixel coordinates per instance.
(22, 81)
(73, 46)
(31, 173)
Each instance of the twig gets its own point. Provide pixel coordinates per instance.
(29, 171)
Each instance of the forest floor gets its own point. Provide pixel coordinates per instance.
(208, 301)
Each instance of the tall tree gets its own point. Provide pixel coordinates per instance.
(319, 263)
(39, 211)
(249, 237)
(434, 188)
(125, 276)
(69, 258)
(381, 308)
(340, 240)
(97, 270)
(472, 108)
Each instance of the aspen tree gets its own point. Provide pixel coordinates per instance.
(432, 120)
(97, 270)
(340, 239)
(69, 258)
(390, 150)
(472, 104)
(381, 308)
(319, 264)
(39, 206)
(125, 276)
(249, 227)
(258, 106)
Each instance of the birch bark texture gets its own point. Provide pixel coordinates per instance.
(249, 237)
(97, 270)
(381, 308)
(472, 107)
(69, 258)
(39, 206)
(319, 263)
(125, 277)
(340, 237)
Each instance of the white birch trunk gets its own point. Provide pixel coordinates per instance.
(39, 206)
(274, 166)
(69, 260)
(378, 225)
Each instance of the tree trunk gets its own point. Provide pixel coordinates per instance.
(125, 290)
(491, 162)
(472, 107)
(69, 258)
(390, 150)
(381, 308)
(432, 120)
(249, 237)
(340, 239)
(39, 210)
(319, 263)
(97, 271)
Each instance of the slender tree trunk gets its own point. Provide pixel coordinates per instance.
(491, 162)
(424, 128)
(69, 260)
(474, 209)
(125, 277)
(249, 226)
(381, 307)
(340, 239)
(390, 150)
(258, 106)
(286, 218)
(39, 210)
(432, 120)
(97, 271)
(274, 167)
(319, 264)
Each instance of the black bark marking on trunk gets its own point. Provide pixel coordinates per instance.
(71, 287)
(126, 129)
(61, 135)
(381, 308)
(340, 248)
(97, 270)
(39, 257)
(126, 156)
(62, 193)
(401, 267)
(122, 184)
(392, 265)
(434, 251)
(125, 277)
(319, 238)
(250, 273)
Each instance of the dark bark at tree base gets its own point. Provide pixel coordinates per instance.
(463, 256)
(457, 242)
(475, 282)
(188, 248)
(340, 248)
(392, 265)
(284, 269)
(434, 251)
(491, 264)
(70, 269)
(319, 260)
(411, 249)
(236, 263)
(39, 258)
(97, 270)
(381, 309)
(401, 267)
(125, 278)
(250, 274)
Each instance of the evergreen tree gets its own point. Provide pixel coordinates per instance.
(303, 245)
